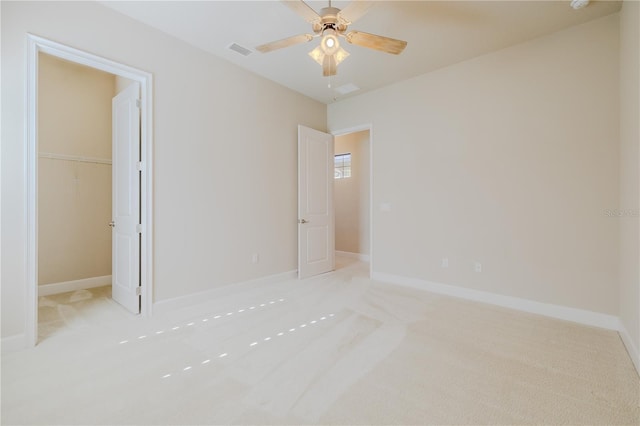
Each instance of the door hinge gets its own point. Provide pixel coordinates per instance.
(138, 103)
(139, 228)
(138, 291)
(139, 166)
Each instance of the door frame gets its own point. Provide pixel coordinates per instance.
(36, 45)
(355, 129)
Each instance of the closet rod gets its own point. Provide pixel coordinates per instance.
(74, 158)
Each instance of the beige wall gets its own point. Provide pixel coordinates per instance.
(509, 159)
(74, 198)
(629, 175)
(121, 84)
(225, 156)
(351, 195)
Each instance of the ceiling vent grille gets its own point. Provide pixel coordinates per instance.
(239, 49)
(347, 88)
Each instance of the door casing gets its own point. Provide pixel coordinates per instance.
(35, 45)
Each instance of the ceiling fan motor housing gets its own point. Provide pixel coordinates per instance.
(329, 20)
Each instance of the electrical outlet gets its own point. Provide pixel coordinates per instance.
(255, 258)
(445, 262)
(478, 267)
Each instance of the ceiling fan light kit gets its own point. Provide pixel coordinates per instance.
(329, 43)
(329, 25)
(329, 54)
(579, 4)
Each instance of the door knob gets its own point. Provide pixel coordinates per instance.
(303, 221)
(112, 224)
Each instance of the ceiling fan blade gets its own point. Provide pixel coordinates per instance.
(372, 41)
(354, 11)
(286, 42)
(329, 66)
(303, 9)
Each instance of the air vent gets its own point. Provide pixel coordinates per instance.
(239, 49)
(347, 88)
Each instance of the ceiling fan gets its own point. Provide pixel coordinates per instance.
(330, 24)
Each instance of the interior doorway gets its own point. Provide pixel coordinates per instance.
(77, 179)
(76, 176)
(352, 196)
(74, 190)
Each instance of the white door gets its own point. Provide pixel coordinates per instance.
(126, 199)
(316, 238)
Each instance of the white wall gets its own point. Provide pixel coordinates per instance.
(351, 195)
(509, 159)
(224, 153)
(74, 198)
(629, 206)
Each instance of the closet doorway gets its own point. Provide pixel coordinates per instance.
(89, 201)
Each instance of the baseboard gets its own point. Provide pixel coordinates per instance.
(202, 296)
(581, 316)
(632, 349)
(63, 287)
(13, 343)
(361, 257)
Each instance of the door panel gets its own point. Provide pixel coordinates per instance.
(126, 199)
(315, 203)
(316, 158)
(319, 251)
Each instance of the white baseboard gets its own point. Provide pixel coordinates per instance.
(63, 287)
(361, 257)
(13, 343)
(202, 296)
(581, 316)
(632, 349)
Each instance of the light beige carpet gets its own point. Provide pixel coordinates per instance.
(335, 349)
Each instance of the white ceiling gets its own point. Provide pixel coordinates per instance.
(439, 33)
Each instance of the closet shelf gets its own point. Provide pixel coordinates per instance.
(77, 158)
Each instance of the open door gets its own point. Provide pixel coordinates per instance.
(126, 199)
(316, 238)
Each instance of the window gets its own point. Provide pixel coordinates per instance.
(342, 166)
